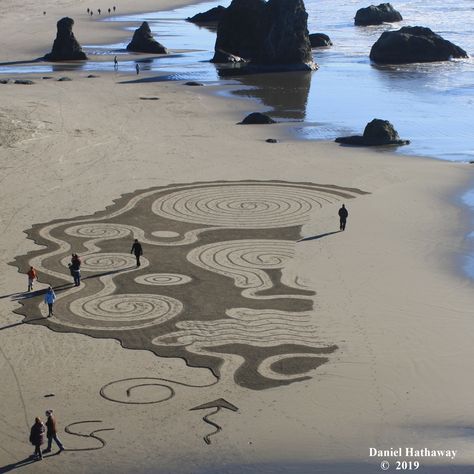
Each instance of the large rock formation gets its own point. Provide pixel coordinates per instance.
(210, 16)
(272, 33)
(376, 15)
(413, 44)
(376, 133)
(143, 41)
(65, 46)
(319, 40)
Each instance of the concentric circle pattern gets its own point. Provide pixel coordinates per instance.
(163, 279)
(102, 231)
(152, 309)
(254, 206)
(105, 262)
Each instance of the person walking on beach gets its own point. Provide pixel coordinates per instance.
(343, 217)
(52, 432)
(37, 438)
(137, 251)
(32, 275)
(75, 269)
(49, 299)
(115, 63)
(137, 68)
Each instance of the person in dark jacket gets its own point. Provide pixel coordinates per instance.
(52, 432)
(75, 269)
(343, 217)
(37, 438)
(137, 250)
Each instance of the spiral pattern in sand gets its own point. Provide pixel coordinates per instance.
(102, 231)
(250, 206)
(163, 279)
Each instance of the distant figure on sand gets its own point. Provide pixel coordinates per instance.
(52, 432)
(115, 62)
(88, 10)
(92, 12)
(137, 68)
(109, 11)
(98, 11)
(75, 269)
(37, 438)
(343, 217)
(49, 299)
(137, 250)
(32, 275)
(114, 8)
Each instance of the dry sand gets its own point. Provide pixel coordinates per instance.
(388, 290)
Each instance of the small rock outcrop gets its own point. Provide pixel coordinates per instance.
(143, 41)
(319, 40)
(256, 118)
(65, 46)
(221, 57)
(376, 15)
(210, 16)
(376, 133)
(273, 33)
(413, 44)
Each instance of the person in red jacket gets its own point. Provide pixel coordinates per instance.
(32, 275)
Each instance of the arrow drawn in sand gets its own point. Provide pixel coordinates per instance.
(218, 405)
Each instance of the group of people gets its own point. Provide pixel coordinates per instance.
(37, 435)
(75, 269)
(99, 11)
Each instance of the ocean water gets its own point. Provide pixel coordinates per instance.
(430, 104)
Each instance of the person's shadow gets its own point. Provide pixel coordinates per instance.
(320, 236)
(16, 465)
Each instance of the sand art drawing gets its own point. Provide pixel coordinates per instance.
(93, 434)
(213, 288)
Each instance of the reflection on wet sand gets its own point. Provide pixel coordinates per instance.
(285, 92)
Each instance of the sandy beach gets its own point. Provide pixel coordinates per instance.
(389, 291)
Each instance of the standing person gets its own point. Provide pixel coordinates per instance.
(52, 432)
(32, 275)
(37, 437)
(137, 68)
(343, 217)
(49, 299)
(115, 63)
(75, 268)
(137, 250)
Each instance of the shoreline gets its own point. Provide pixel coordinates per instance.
(384, 294)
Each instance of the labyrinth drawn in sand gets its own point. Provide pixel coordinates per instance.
(212, 287)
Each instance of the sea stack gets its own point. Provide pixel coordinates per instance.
(65, 46)
(143, 41)
(273, 34)
(376, 15)
(413, 44)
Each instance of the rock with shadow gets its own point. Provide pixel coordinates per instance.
(272, 36)
(256, 118)
(319, 40)
(221, 57)
(65, 46)
(376, 15)
(413, 44)
(212, 16)
(377, 133)
(143, 41)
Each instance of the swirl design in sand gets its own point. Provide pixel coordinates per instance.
(217, 284)
(242, 206)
